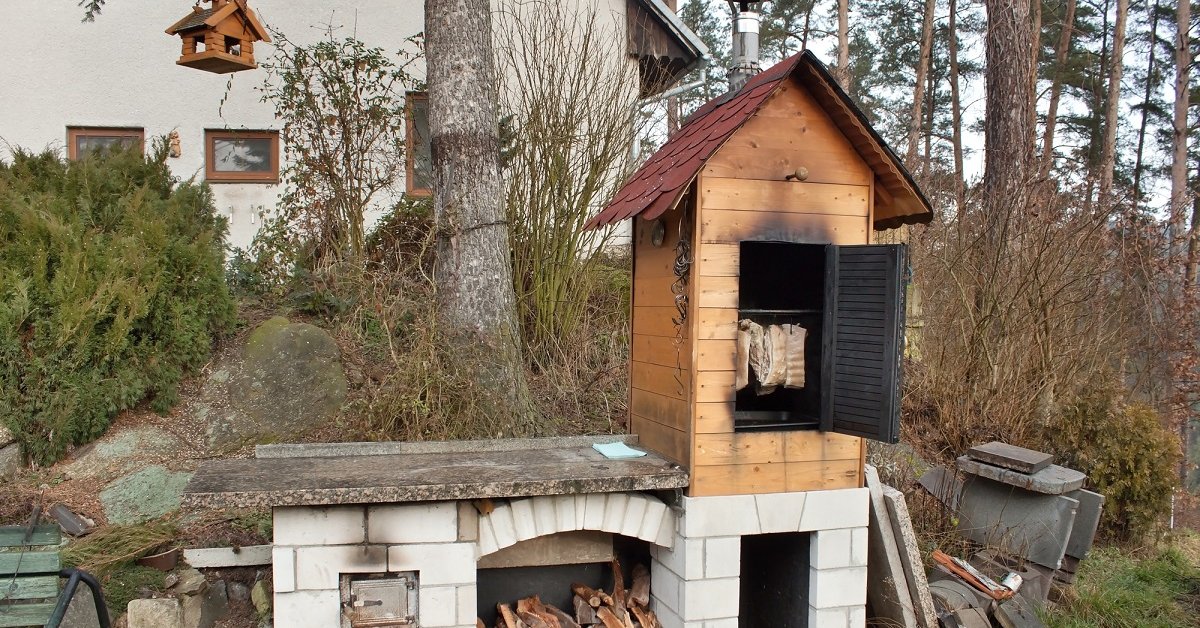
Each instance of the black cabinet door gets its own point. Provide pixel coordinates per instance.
(863, 340)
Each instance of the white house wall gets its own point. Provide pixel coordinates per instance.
(120, 71)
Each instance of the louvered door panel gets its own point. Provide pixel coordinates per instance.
(863, 341)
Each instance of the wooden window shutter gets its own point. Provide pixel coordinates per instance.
(863, 340)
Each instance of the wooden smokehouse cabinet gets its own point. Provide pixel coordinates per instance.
(763, 207)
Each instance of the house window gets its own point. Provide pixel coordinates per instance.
(83, 141)
(850, 301)
(418, 152)
(241, 156)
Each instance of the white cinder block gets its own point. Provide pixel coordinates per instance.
(564, 513)
(733, 515)
(635, 511)
(318, 525)
(685, 560)
(438, 606)
(723, 557)
(468, 522)
(828, 617)
(667, 618)
(780, 512)
(858, 547)
(614, 511)
(857, 616)
(468, 601)
(433, 522)
(593, 512)
(668, 531)
(709, 599)
(308, 609)
(729, 622)
(503, 527)
(487, 538)
(828, 588)
(828, 510)
(522, 512)
(545, 520)
(438, 564)
(652, 520)
(581, 510)
(830, 549)
(283, 569)
(664, 588)
(319, 567)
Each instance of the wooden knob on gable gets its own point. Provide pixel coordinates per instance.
(801, 174)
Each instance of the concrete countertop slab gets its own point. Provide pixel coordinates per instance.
(434, 476)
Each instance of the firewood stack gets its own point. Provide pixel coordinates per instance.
(623, 608)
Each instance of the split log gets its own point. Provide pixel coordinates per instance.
(589, 595)
(618, 588)
(585, 613)
(640, 592)
(479, 623)
(506, 613)
(533, 620)
(645, 617)
(609, 618)
(564, 620)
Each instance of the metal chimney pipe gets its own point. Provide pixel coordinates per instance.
(746, 23)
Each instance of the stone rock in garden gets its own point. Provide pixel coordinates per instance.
(143, 495)
(121, 452)
(204, 608)
(11, 460)
(189, 582)
(163, 612)
(1192, 454)
(261, 596)
(238, 592)
(288, 379)
(6, 436)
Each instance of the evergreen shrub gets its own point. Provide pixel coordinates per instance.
(111, 288)
(1127, 455)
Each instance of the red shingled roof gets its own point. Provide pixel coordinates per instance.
(660, 182)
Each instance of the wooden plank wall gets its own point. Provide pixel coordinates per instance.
(660, 372)
(743, 194)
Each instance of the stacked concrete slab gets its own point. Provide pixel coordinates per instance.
(1018, 501)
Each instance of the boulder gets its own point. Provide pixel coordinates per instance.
(288, 378)
(6, 436)
(143, 495)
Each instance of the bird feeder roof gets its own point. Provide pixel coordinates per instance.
(210, 17)
(658, 184)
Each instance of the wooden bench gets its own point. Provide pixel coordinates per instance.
(30, 569)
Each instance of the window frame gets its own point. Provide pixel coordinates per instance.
(410, 152)
(212, 175)
(76, 132)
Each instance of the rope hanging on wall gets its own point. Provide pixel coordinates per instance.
(679, 288)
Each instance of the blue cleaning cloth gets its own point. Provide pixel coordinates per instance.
(617, 451)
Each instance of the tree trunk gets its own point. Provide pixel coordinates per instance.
(1146, 98)
(960, 185)
(914, 124)
(1108, 156)
(1036, 7)
(1179, 134)
(843, 64)
(1008, 136)
(473, 272)
(1060, 61)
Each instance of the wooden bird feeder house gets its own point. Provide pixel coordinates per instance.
(753, 250)
(219, 38)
